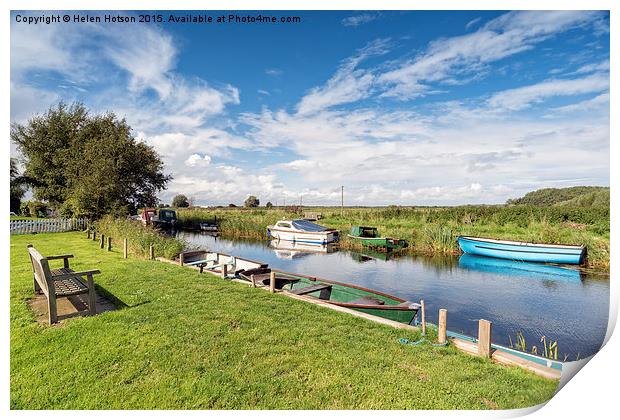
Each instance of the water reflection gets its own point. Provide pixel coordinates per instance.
(539, 272)
(288, 250)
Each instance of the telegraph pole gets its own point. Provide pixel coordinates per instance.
(342, 200)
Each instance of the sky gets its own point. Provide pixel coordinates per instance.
(405, 108)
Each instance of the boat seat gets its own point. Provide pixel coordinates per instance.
(311, 289)
(368, 300)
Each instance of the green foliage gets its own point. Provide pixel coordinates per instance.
(180, 200)
(572, 196)
(269, 205)
(88, 165)
(139, 237)
(251, 201)
(35, 209)
(184, 340)
(17, 189)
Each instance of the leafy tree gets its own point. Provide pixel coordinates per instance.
(232, 205)
(17, 187)
(251, 201)
(180, 200)
(33, 209)
(88, 165)
(269, 205)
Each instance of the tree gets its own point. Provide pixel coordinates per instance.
(88, 165)
(17, 187)
(232, 205)
(251, 201)
(180, 200)
(269, 205)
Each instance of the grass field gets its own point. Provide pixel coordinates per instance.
(182, 340)
(433, 231)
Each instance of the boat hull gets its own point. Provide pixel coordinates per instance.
(386, 243)
(324, 237)
(523, 251)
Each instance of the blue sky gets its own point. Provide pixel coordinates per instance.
(427, 108)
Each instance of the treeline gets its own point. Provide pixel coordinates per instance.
(572, 196)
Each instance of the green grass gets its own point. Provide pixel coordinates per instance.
(189, 341)
(433, 231)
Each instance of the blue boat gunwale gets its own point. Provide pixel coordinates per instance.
(519, 243)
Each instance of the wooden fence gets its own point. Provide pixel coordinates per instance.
(46, 225)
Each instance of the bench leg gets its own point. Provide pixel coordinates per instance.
(52, 311)
(92, 301)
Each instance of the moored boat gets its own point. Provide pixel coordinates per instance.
(165, 218)
(302, 231)
(369, 237)
(344, 295)
(208, 227)
(523, 251)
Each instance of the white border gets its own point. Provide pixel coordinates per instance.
(591, 394)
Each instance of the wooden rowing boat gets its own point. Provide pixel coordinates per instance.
(336, 293)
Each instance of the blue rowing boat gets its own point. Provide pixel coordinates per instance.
(523, 251)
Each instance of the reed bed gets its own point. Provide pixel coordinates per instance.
(433, 230)
(139, 237)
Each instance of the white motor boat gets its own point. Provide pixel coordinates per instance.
(302, 231)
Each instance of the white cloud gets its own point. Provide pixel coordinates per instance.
(349, 84)
(523, 97)
(506, 35)
(198, 160)
(273, 72)
(360, 19)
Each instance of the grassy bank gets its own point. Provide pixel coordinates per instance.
(433, 230)
(190, 341)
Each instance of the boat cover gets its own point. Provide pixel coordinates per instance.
(308, 226)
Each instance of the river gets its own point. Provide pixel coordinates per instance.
(537, 300)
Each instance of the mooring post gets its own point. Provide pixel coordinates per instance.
(182, 259)
(253, 281)
(423, 317)
(125, 248)
(109, 244)
(101, 241)
(151, 252)
(272, 282)
(224, 270)
(484, 337)
(87, 233)
(443, 321)
(94, 235)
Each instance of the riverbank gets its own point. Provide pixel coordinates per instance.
(433, 231)
(182, 340)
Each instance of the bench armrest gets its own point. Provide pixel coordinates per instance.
(58, 257)
(75, 273)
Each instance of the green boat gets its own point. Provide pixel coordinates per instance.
(369, 236)
(340, 294)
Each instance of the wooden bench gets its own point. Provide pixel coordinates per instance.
(60, 282)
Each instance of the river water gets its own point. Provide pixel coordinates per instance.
(536, 300)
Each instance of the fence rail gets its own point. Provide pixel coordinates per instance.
(19, 227)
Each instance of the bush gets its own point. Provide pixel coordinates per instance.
(33, 209)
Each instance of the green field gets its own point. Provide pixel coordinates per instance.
(433, 231)
(182, 340)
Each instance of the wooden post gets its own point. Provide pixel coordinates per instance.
(109, 244)
(151, 252)
(125, 248)
(484, 337)
(251, 278)
(224, 270)
(101, 241)
(423, 317)
(272, 282)
(94, 235)
(443, 320)
(182, 259)
(87, 233)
